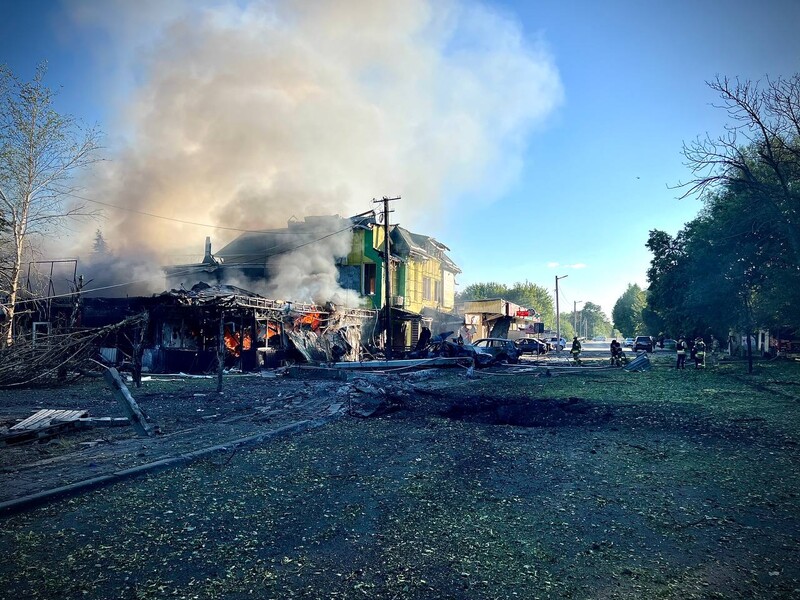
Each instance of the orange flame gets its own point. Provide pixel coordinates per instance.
(232, 341)
(309, 319)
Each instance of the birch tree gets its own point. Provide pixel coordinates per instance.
(41, 152)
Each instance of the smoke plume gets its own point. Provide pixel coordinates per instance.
(246, 114)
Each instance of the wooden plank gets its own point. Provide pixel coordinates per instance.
(67, 416)
(35, 420)
(32, 435)
(46, 417)
(135, 414)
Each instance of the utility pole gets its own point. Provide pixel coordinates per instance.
(387, 268)
(558, 317)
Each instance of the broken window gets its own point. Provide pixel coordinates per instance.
(368, 279)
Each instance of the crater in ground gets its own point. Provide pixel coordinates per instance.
(540, 412)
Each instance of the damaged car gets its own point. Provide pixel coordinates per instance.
(440, 345)
(503, 350)
(531, 346)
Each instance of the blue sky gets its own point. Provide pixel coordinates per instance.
(571, 188)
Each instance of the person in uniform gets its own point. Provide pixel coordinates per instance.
(681, 349)
(576, 350)
(699, 353)
(616, 353)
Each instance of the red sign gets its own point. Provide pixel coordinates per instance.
(523, 313)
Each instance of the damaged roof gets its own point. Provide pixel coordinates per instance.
(253, 248)
(409, 243)
(204, 290)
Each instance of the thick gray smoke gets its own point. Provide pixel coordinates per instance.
(244, 115)
(308, 274)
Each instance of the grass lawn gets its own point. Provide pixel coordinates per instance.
(598, 484)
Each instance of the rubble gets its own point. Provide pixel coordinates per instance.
(54, 357)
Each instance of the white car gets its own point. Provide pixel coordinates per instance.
(558, 345)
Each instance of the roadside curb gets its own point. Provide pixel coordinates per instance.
(31, 501)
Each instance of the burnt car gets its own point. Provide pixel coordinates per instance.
(440, 345)
(531, 346)
(503, 350)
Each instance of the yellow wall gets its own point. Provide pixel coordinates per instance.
(416, 271)
(377, 237)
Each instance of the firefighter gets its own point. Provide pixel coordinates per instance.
(699, 353)
(681, 349)
(616, 353)
(576, 350)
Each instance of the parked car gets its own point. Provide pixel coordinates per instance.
(668, 344)
(558, 344)
(643, 342)
(599, 338)
(531, 346)
(503, 350)
(628, 343)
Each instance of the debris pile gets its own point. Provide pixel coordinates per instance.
(44, 359)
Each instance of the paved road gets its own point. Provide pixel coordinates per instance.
(590, 350)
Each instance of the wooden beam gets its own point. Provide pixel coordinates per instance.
(135, 414)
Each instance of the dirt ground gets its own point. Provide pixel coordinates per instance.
(586, 484)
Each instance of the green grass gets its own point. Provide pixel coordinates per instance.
(689, 489)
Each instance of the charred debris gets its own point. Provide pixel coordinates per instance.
(202, 330)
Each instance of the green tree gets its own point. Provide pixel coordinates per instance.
(737, 265)
(483, 291)
(729, 268)
(535, 297)
(40, 152)
(596, 321)
(627, 311)
(669, 283)
(567, 330)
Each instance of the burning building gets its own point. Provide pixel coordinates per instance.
(340, 260)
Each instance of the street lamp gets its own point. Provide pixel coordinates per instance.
(558, 317)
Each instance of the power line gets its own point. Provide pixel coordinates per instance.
(183, 221)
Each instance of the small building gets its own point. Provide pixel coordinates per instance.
(495, 317)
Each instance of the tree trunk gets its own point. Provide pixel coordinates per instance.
(138, 352)
(16, 269)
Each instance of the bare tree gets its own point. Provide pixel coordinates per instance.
(40, 153)
(759, 151)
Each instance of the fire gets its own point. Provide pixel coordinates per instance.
(232, 341)
(309, 319)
